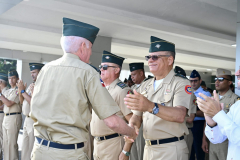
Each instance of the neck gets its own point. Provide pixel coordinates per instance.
(142, 78)
(222, 93)
(109, 81)
(158, 77)
(13, 86)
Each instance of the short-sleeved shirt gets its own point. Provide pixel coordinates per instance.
(64, 92)
(12, 95)
(228, 99)
(3, 91)
(118, 90)
(173, 91)
(192, 109)
(26, 105)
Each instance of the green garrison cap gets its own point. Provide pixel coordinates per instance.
(112, 58)
(12, 72)
(158, 44)
(34, 66)
(136, 66)
(3, 76)
(75, 28)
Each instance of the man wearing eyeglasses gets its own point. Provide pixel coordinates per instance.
(199, 120)
(221, 125)
(162, 102)
(107, 143)
(223, 81)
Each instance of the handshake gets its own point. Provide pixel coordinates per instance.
(135, 131)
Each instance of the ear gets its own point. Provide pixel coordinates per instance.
(170, 60)
(200, 81)
(230, 82)
(117, 70)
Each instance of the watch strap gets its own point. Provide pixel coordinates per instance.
(126, 153)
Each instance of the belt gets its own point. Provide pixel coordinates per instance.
(57, 145)
(107, 137)
(162, 141)
(8, 114)
(1, 112)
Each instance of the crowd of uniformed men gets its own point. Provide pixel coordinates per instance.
(73, 113)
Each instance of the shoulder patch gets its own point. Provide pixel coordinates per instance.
(122, 85)
(188, 89)
(179, 75)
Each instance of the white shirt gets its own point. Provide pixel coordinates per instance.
(157, 83)
(228, 126)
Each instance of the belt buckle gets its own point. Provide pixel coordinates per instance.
(97, 139)
(148, 142)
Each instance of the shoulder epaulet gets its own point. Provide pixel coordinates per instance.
(122, 85)
(147, 78)
(179, 75)
(95, 68)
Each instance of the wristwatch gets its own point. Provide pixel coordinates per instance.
(155, 109)
(22, 91)
(126, 153)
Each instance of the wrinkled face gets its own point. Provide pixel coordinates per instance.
(86, 52)
(136, 76)
(12, 80)
(157, 67)
(34, 74)
(195, 83)
(110, 72)
(222, 85)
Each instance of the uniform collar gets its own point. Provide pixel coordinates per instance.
(70, 55)
(114, 83)
(227, 94)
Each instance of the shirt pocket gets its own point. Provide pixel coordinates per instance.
(166, 100)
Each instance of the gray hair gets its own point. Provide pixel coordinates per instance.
(71, 44)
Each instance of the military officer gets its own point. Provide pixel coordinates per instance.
(162, 102)
(223, 81)
(3, 88)
(130, 83)
(25, 100)
(13, 119)
(138, 77)
(107, 143)
(191, 112)
(64, 92)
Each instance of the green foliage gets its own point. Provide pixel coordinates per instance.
(6, 64)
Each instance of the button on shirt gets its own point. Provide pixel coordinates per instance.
(228, 126)
(201, 90)
(64, 93)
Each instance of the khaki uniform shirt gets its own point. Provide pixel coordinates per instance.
(137, 86)
(192, 108)
(26, 105)
(173, 91)
(63, 94)
(3, 91)
(228, 100)
(118, 90)
(12, 95)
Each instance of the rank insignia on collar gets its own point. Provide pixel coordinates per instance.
(158, 46)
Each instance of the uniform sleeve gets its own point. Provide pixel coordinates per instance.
(14, 97)
(227, 126)
(214, 134)
(101, 101)
(182, 94)
(121, 104)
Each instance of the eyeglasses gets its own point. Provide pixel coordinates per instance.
(195, 81)
(155, 57)
(220, 79)
(105, 66)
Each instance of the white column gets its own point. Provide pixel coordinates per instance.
(237, 64)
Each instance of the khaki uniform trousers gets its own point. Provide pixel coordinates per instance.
(1, 134)
(11, 126)
(28, 138)
(41, 152)
(138, 146)
(109, 149)
(189, 140)
(218, 151)
(168, 151)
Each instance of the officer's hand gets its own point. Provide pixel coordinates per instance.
(122, 156)
(138, 102)
(31, 87)
(209, 106)
(21, 86)
(204, 145)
